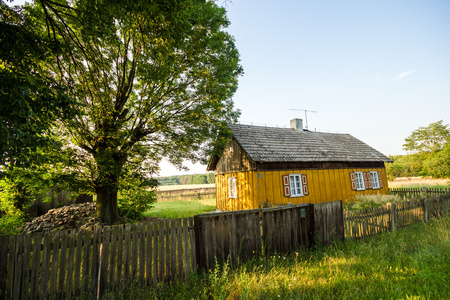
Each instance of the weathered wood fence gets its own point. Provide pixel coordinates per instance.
(366, 222)
(70, 263)
(416, 193)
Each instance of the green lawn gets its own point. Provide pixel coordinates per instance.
(181, 208)
(409, 263)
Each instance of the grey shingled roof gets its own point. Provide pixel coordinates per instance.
(270, 144)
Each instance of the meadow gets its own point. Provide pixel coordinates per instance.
(419, 182)
(409, 263)
(181, 208)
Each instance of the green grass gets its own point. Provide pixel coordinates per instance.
(410, 263)
(181, 208)
(367, 201)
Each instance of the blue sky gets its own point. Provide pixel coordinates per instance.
(374, 69)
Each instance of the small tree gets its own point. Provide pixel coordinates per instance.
(428, 139)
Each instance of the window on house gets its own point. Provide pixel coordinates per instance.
(232, 187)
(295, 185)
(366, 180)
(359, 178)
(375, 180)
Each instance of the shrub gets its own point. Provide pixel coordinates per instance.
(136, 195)
(10, 223)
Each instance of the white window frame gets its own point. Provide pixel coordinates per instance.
(295, 183)
(375, 180)
(232, 187)
(359, 178)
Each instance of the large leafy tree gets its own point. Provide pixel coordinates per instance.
(153, 79)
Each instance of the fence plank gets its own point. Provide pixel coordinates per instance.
(161, 250)
(70, 263)
(193, 244)
(54, 264)
(26, 266)
(62, 264)
(180, 245)
(103, 262)
(4, 245)
(142, 253)
(86, 262)
(185, 222)
(126, 255)
(45, 266)
(119, 281)
(112, 257)
(149, 253)
(173, 249)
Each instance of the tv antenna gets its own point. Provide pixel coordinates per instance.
(306, 117)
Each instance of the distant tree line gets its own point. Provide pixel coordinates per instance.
(428, 154)
(186, 179)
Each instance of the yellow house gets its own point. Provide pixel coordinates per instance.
(294, 165)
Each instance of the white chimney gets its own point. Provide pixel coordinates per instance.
(297, 124)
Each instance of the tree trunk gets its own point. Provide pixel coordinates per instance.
(107, 209)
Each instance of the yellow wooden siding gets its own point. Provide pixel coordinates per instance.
(323, 185)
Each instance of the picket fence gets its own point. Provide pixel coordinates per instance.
(416, 193)
(73, 263)
(370, 221)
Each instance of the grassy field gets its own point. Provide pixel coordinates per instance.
(410, 263)
(181, 208)
(417, 182)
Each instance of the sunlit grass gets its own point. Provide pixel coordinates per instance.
(181, 208)
(419, 183)
(409, 263)
(366, 201)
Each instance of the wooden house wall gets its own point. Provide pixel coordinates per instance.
(266, 186)
(234, 159)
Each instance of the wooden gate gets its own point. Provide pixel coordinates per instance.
(287, 228)
(227, 236)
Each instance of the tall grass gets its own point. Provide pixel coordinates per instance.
(410, 263)
(181, 208)
(419, 183)
(366, 201)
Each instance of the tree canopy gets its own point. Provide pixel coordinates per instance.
(31, 100)
(151, 79)
(428, 139)
(429, 149)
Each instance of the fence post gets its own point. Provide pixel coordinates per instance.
(425, 209)
(392, 220)
(4, 239)
(424, 192)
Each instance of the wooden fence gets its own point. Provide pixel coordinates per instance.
(416, 193)
(366, 222)
(70, 263)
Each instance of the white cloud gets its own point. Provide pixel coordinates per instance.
(403, 75)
